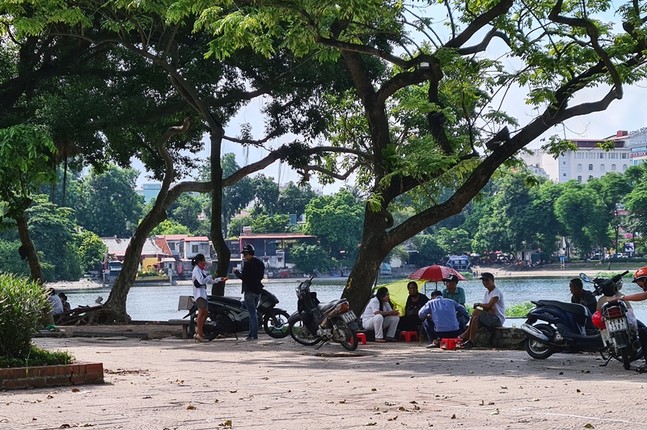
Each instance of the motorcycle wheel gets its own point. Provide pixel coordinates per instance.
(537, 349)
(275, 323)
(349, 337)
(301, 334)
(626, 362)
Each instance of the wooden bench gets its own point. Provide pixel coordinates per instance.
(185, 326)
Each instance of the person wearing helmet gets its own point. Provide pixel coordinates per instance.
(251, 275)
(640, 278)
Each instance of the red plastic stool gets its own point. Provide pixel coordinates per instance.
(408, 336)
(361, 337)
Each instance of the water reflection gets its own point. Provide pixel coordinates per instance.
(160, 302)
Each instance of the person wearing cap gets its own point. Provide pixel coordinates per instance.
(640, 278)
(489, 313)
(454, 292)
(415, 301)
(251, 275)
(440, 319)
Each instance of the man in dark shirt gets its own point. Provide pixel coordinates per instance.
(251, 275)
(582, 296)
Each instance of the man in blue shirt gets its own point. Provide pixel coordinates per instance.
(440, 319)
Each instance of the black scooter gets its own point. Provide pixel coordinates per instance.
(554, 326)
(228, 316)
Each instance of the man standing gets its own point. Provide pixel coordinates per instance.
(582, 296)
(490, 313)
(252, 274)
(440, 318)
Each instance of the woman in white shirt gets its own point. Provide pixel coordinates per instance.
(200, 281)
(379, 315)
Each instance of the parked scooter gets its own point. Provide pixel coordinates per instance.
(228, 315)
(314, 323)
(554, 326)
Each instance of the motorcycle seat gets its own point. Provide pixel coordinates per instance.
(328, 306)
(572, 308)
(231, 301)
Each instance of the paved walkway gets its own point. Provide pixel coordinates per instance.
(171, 383)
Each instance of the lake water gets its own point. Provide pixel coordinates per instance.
(159, 303)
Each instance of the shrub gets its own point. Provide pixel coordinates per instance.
(519, 311)
(38, 357)
(21, 311)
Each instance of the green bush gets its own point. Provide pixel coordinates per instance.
(519, 311)
(38, 357)
(21, 314)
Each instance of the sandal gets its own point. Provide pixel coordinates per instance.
(379, 339)
(468, 344)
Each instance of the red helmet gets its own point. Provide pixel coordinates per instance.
(597, 320)
(640, 274)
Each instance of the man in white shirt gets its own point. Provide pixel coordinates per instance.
(490, 313)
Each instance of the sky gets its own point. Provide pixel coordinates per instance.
(624, 114)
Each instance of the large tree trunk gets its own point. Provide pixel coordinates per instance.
(217, 234)
(28, 250)
(372, 252)
(115, 307)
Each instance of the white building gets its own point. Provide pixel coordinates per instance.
(588, 161)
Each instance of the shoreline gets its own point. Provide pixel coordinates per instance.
(499, 273)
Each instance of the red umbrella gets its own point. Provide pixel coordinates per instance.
(434, 273)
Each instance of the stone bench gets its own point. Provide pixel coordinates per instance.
(501, 337)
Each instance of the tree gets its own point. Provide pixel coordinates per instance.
(433, 118)
(54, 233)
(584, 216)
(110, 207)
(310, 258)
(294, 198)
(26, 163)
(92, 250)
(336, 221)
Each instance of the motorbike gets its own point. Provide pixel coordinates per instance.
(228, 315)
(554, 326)
(317, 324)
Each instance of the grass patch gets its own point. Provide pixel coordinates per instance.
(518, 311)
(38, 357)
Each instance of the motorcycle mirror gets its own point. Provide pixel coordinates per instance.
(585, 278)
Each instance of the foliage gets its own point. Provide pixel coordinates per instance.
(187, 211)
(92, 250)
(263, 223)
(54, 233)
(519, 310)
(429, 251)
(311, 258)
(10, 259)
(21, 309)
(236, 225)
(38, 357)
(110, 205)
(336, 220)
(170, 227)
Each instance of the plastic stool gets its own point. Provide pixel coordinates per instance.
(408, 336)
(361, 337)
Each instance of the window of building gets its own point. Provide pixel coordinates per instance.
(623, 155)
(590, 177)
(590, 166)
(602, 167)
(613, 155)
(579, 167)
(579, 179)
(602, 156)
(624, 167)
(194, 249)
(613, 167)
